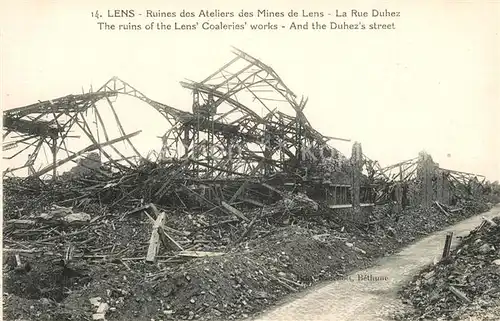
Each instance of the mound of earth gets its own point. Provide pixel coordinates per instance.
(467, 283)
(57, 270)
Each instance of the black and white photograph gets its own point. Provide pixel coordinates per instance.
(250, 160)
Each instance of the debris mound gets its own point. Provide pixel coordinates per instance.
(242, 203)
(464, 283)
(198, 264)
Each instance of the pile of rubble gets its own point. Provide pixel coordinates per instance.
(128, 260)
(465, 283)
(238, 209)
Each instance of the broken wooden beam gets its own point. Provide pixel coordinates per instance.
(243, 186)
(18, 260)
(21, 267)
(277, 191)
(283, 283)
(22, 250)
(459, 294)
(21, 222)
(167, 241)
(249, 227)
(441, 208)
(251, 201)
(137, 210)
(172, 230)
(234, 211)
(447, 245)
(154, 210)
(81, 152)
(68, 256)
(197, 254)
(342, 206)
(489, 221)
(154, 241)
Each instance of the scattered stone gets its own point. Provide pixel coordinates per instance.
(461, 284)
(485, 248)
(77, 218)
(95, 301)
(357, 249)
(103, 308)
(429, 275)
(270, 262)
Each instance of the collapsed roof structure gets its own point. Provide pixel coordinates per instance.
(222, 144)
(230, 215)
(219, 127)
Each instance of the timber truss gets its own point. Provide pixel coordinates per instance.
(418, 170)
(244, 121)
(244, 127)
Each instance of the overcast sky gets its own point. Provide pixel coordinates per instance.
(431, 84)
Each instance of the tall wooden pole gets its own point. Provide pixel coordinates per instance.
(357, 165)
(54, 158)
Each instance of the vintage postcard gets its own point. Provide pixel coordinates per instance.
(259, 160)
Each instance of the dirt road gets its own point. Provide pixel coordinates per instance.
(370, 294)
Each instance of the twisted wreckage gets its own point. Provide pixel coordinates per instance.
(243, 169)
(222, 152)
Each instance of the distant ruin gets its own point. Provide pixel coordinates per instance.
(224, 147)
